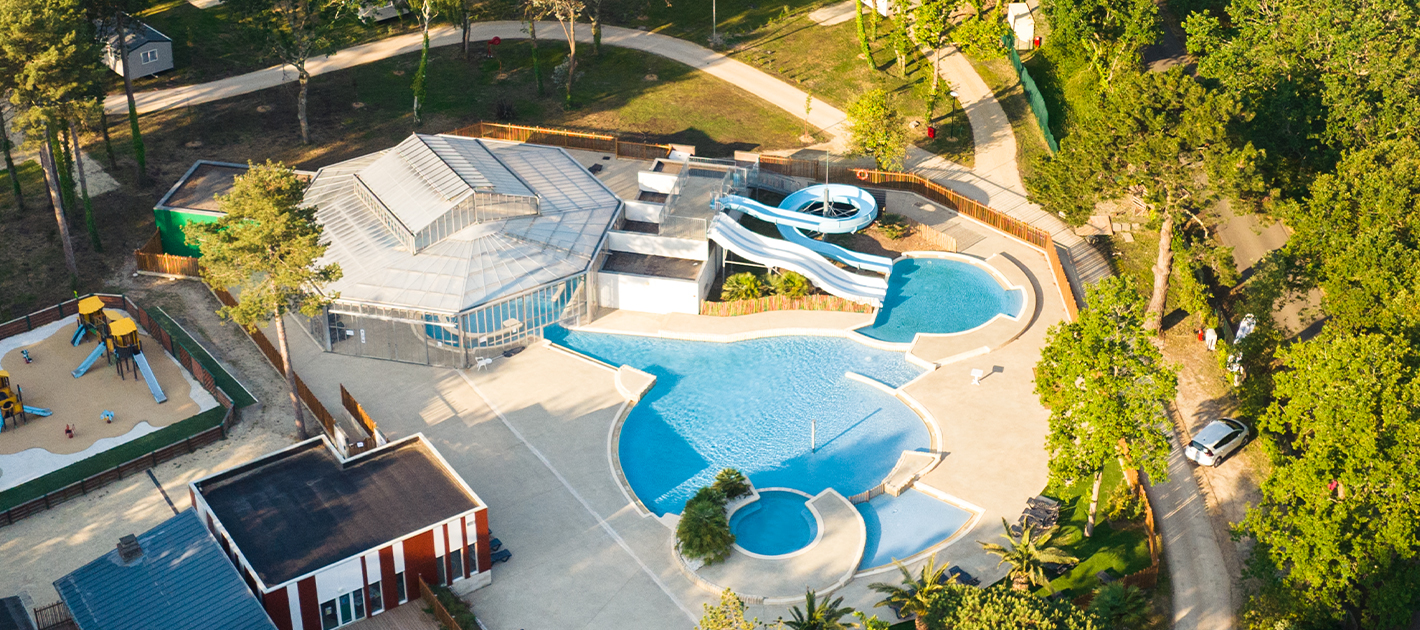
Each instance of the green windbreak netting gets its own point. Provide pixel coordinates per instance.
(1037, 104)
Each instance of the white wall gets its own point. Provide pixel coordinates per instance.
(645, 212)
(638, 243)
(647, 294)
(655, 181)
(336, 580)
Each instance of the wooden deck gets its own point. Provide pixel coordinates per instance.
(409, 616)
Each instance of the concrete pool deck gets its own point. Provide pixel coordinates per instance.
(533, 436)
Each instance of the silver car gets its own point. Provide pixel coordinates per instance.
(1216, 441)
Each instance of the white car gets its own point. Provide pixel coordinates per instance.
(1216, 441)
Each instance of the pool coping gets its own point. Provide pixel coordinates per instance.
(818, 522)
(974, 510)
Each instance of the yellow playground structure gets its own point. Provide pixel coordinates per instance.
(127, 351)
(12, 404)
(92, 319)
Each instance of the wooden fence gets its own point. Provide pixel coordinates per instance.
(181, 446)
(55, 616)
(357, 411)
(152, 261)
(605, 143)
(930, 190)
(441, 614)
(783, 303)
(1146, 578)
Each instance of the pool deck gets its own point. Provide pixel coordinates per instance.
(533, 436)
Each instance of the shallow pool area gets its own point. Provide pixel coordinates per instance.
(778, 523)
(902, 526)
(940, 296)
(779, 409)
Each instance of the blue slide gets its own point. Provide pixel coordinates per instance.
(142, 361)
(849, 209)
(80, 334)
(93, 356)
(38, 411)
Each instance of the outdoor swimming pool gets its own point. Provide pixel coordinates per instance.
(939, 295)
(749, 405)
(778, 523)
(900, 527)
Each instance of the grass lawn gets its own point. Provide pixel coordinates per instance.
(1068, 86)
(1119, 551)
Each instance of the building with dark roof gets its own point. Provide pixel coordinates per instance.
(325, 541)
(172, 577)
(13, 615)
(149, 52)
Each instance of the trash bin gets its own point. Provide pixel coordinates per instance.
(931, 132)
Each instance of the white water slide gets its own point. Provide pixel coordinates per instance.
(849, 209)
(783, 254)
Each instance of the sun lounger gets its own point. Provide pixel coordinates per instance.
(501, 556)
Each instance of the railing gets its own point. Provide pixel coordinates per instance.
(565, 138)
(783, 303)
(432, 602)
(152, 261)
(55, 616)
(356, 411)
(181, 446)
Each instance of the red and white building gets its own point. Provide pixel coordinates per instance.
(324, 541)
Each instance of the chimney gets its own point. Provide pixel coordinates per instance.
(129, 549)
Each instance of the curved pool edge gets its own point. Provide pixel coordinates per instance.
(939, 349)
(974, 510)
(818, 523)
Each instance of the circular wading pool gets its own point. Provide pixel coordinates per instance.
(778, 523)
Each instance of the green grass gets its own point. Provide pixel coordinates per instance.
(1120, 552)
(109, 459)
(235, 391)
(1068, 85)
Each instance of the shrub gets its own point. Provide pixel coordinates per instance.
(1124, 505)
(457, 608)
(732, 483)
(742, 286)
(704, 530)
(894, 226)
(980, 37)
(790, 284)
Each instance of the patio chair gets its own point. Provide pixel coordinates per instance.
(1104, 577)
(962, 576)
(483, 362)
(494, 544)
(501, 556)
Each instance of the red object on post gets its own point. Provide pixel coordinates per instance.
(493, 42)
(1035, 43)
(931, 132)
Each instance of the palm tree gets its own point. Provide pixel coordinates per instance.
(915, 595)
(1027, 554)
(1121, 607)
(823, 615)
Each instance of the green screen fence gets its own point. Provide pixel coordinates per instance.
(1037, 104)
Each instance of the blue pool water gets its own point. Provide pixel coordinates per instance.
(748, 405)
(901, 526)
(935, 295)
(778, 523)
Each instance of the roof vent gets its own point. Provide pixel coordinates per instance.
(129, 549)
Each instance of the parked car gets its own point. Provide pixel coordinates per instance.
(1216, 441)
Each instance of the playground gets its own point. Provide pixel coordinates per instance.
(68, 418)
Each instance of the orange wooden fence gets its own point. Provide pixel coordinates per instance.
(783, 303)
(605, 143)
(152, 260)
(432, 602)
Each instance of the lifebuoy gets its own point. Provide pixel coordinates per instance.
(862, 174)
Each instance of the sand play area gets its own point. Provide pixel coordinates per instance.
(41, 446)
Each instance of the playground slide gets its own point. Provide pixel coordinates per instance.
(93, 356)
(38, 411)
(786, 255)
(79, 335)
(142, 361)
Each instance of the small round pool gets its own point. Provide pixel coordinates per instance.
(778, 523)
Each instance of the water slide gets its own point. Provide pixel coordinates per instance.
(142, 360)
(89, 362)
(783, 254)
(850, 209)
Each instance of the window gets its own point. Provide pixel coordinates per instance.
(439, 561)
(149, 56)
(400, 597)
(377, 598)
(456, 561)
(358, 600)
(328, 619)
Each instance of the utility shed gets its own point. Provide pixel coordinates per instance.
(149, 52)
(1018, 16)
(172, 577)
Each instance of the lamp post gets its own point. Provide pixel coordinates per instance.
(955, 104)
(714, 23)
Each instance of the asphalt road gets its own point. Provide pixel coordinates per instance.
(1202, 591)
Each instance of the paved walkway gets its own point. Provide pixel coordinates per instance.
(1202, 590)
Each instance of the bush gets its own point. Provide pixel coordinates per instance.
(980, 37)
(457, 608)
(704, 530)
(894, 226)
(1124, 506)
(732, 483)
(790, 284)
(742, 286)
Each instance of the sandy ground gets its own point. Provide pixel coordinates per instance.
(38, 550)
(48, 383)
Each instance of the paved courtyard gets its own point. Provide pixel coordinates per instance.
(533, 436)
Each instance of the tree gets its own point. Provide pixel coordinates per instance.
(51, 175)
(531, 14)
(1107, 388)
(114, 14)
(5, 148)
(789, 284)
(566, 12)
(741, 286)
(863, 45)
(980, 36)
(876, 128)
(1163, 136)
(931, 23)
(268, 245)
(1337, 515)
(703, 532)
(1120, 607)
(821, 615)
(1113, 33)
(968, 608)
(732, 484)
(294, 31)
(901, 37)
(1027, 555)
(596, 15)
(728, 615)
(914, 596)
(84, 189)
